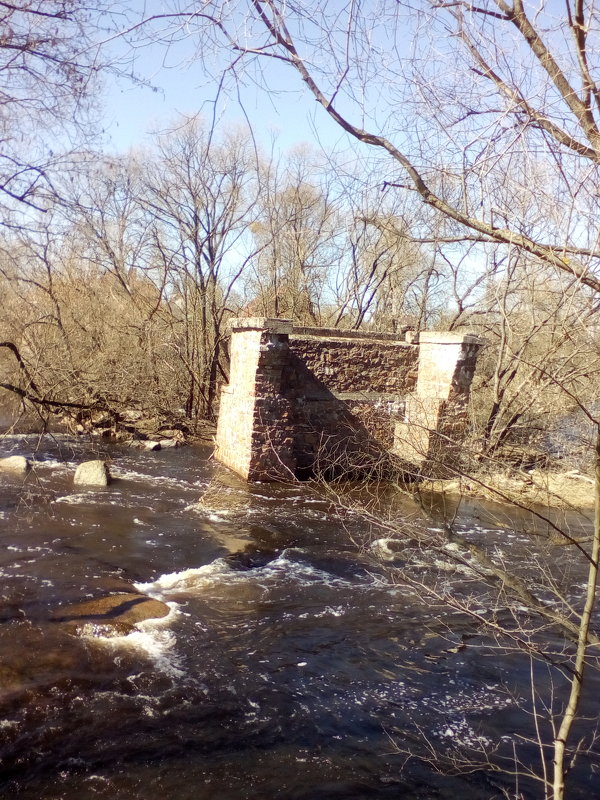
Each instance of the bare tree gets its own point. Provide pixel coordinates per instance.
(50, 62)
(542, 350)
(388, 279)
(457, 95)
(296, 231)
(200, 194)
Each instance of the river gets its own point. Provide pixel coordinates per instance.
(290, 666)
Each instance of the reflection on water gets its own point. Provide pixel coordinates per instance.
(290, 666)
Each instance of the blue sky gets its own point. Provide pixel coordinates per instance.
(287, 113)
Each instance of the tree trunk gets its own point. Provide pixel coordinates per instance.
(570, 714)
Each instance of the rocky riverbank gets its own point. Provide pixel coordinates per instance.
(128, 426)
(569, 489)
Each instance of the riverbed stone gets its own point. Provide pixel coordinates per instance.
(18, 465)
(9, 680)
(92, 473)
(390, 549)
(37, 657)
(115, 614)
(171, 433)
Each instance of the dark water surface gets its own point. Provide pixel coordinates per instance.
(290, 665)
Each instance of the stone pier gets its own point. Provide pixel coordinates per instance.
(254, 430)
(306, 398)
(436, 413)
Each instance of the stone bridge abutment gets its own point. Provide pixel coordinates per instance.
(304, 399)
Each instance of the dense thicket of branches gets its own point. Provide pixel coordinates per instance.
(118, 295)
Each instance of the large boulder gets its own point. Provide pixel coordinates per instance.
(16, 464)
(92, 473)
(113, 615)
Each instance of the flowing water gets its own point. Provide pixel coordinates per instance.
(289, 666)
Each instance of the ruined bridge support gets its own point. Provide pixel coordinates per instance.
(436, 413)
(296, 394)
(254, 431)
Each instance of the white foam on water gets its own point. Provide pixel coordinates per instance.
(453, 566)
(452, 547)
(76, 499)
(190, 582)
(186, 582)
(461, 734)
(157, 645)
(35, 437)
(160, 480)
(152, 639)
(217, 514)
(328, 611)
(286, 568)
(389, 548)
(214, 515)
(269, 497)
(56, 463)
(92, 498)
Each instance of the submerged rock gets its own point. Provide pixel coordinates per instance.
(389, 549)
(38, 657)
(113, 615)
(92, 473)
(154, 443)
(15, 464)
(102, 630)
(10, 680)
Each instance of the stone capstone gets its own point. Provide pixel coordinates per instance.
(15, 464)
(92, 473)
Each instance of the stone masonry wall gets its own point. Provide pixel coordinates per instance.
(342, 386)
(368, 365)
(255, 427)
(235, 428)
(298, 396)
